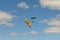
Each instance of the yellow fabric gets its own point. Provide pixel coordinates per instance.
(28, 23)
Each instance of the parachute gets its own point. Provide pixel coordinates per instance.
(29, 23)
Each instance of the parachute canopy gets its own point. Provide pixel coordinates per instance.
(29, 23)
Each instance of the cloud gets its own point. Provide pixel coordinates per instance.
(52, 30)
(53, 23)
(52, 4)
(33, 32)
(43, 21)
(23, 34)
(14, 34)
(6, 18)
(22, 5)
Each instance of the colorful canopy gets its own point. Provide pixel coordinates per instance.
(29, 23)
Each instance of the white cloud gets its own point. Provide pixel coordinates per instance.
(33, 32)
(53, 23)
(6, 18)
(43, 21)
(10, 24)
(52, 30)
(22, 5)
(53, 4)
(14, 34)
(23, 34)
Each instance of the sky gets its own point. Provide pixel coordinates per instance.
(46, 26)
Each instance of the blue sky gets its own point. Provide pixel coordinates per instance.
(46, 26)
